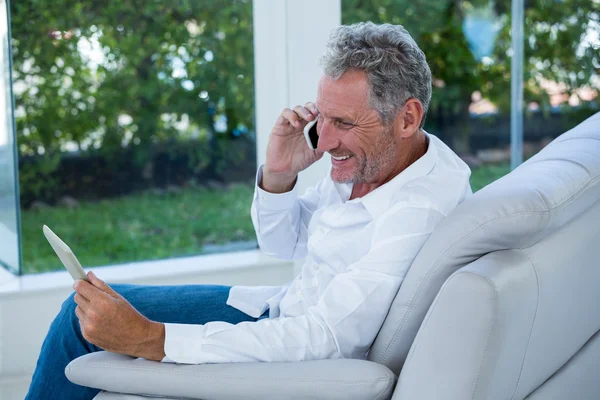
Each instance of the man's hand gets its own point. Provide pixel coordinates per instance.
(287, 151)
(110, 322)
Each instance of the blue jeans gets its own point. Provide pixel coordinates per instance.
(188, 304)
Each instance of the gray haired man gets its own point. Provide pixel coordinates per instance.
(358, 230)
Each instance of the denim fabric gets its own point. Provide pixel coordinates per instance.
(189, 304)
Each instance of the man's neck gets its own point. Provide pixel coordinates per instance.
(419, 149)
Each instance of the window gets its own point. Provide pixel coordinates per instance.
(135, 128)
(135, 124)
(9, 225)
(562, 60)
(468, 47)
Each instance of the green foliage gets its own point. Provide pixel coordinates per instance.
(556, 49)
(157, 59)
(139, 227)
(194, 60)
(37, 176)
(483, 176)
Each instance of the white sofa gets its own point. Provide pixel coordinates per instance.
(502, 302)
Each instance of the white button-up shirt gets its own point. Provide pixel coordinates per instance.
(357, 252)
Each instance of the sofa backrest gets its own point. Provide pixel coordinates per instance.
(514, 321)
(539, 197)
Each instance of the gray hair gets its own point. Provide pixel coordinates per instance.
(395, 66)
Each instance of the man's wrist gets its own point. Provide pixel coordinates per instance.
(153, 347)
(276, 182)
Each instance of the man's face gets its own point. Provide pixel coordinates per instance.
(362, 149)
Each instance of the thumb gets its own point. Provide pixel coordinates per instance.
(100, 284)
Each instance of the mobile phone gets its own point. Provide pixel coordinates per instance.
(66, 255)
(310, 134)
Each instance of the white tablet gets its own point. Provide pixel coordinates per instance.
(66, 255)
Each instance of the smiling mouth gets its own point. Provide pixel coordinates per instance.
(340, 158)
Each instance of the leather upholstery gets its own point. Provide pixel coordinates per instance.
(577, 379)
(503, 325)
(323, 379)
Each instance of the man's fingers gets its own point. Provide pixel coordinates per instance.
(290, 117)
(88, 290)
(304, 112)
(80, 313)
(85, 289)
(312, 107)
(298, 117)
(100, 284)
(81, 301)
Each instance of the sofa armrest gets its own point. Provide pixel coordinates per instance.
(323, 379)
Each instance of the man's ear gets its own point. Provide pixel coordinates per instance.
(409, 118)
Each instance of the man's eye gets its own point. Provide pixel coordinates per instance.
(345, 125)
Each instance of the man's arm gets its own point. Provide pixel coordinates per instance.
(281, 219)
(344, 322)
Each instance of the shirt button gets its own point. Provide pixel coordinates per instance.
(316, 265)
(300, 292)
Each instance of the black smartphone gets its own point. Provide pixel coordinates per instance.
(310, 134)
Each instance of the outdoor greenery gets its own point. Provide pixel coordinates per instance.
(143, 226)
(101, 75)
(96, 76)
(555, 51)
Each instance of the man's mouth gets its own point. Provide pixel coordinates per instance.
(339, 158)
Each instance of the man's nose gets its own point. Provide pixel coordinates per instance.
(327, 137)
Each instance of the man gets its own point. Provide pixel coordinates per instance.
(359, 230)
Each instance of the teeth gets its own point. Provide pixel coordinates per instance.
(340, 158)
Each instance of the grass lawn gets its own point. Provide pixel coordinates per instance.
(482, 176)
(150, 226)
(139, 227)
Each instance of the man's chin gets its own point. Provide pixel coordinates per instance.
(338, 177)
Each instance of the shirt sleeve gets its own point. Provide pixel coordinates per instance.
(281, 219)
(344, 322)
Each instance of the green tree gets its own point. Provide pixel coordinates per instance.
(162, 61)
(157, 59)
(556, 50)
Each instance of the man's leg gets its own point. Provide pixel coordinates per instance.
(190, 304)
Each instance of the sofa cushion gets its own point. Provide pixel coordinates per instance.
(323, 379)
(561, 182)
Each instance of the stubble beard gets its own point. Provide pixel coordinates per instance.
(368, 167)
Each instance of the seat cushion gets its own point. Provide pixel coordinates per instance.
(552, 188)
(323, 379)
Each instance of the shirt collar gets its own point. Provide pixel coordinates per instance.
(378, 201)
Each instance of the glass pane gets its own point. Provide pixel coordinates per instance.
(562, 60)
(466, 44)
(135, 126)
(9, 227)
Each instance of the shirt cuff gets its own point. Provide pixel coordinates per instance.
(182, 343)
(274, 201)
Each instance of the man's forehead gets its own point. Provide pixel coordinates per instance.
(344, 97)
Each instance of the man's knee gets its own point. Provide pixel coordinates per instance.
(68, 306)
